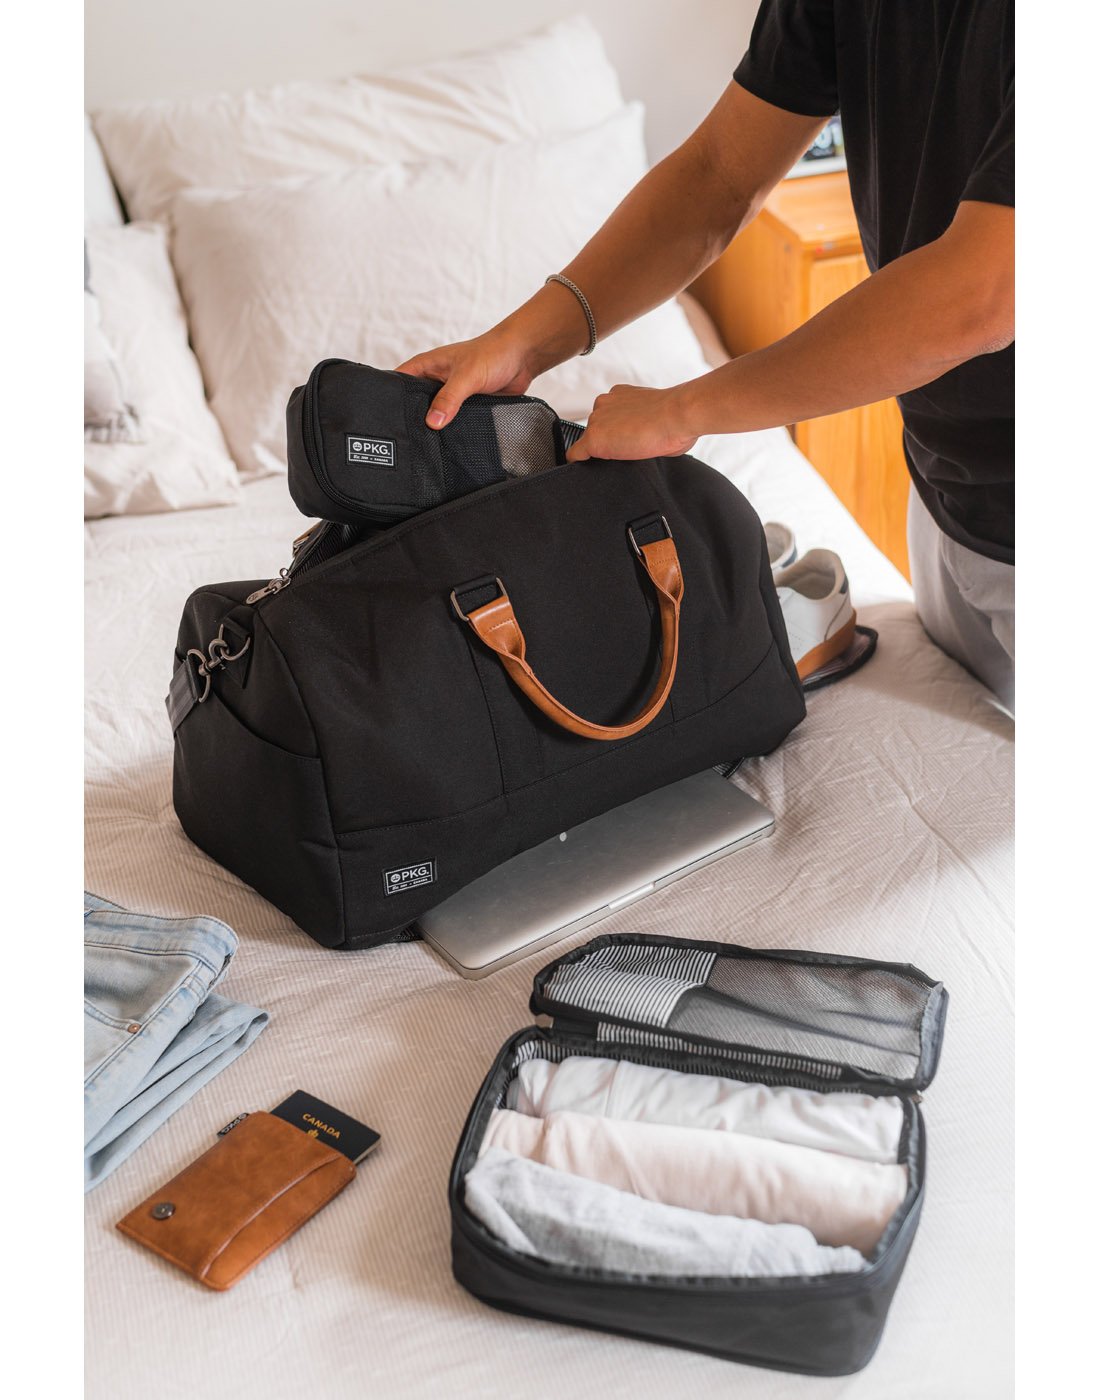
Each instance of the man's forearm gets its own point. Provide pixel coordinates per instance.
(665, 232)
(912, 321)
(670, 227)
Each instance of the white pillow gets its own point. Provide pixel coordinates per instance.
(556, 80)
(108, 415)
(182, 461)
(377, 263)
(100, 200)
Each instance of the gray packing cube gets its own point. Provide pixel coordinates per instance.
(768, 1016)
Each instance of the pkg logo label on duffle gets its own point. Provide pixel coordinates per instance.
(408, 877)
(371, 451)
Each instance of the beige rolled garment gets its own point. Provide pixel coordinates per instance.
(841, 1200)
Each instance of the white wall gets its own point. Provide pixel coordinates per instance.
(676, 55)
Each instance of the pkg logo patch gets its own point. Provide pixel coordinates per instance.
(408, 877)
(371, 451)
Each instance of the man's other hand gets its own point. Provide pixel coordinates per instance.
(629, 424)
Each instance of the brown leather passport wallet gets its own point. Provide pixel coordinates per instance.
(236, 1203)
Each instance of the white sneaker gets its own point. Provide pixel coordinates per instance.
(817, 608)
(782, 550)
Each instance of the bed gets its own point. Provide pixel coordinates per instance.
(893, 804)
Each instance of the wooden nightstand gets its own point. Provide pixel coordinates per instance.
(801, 252)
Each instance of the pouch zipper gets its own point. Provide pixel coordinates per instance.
(725, 1061)
(310, 435)
(790, 1069)
(719, 1056)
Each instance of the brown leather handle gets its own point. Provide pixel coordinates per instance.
(495, 624)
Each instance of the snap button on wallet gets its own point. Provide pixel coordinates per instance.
(237, 1202)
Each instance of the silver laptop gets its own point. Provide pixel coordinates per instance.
(563, 885)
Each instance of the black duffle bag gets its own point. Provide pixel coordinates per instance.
(405, 707)
(761, 1017)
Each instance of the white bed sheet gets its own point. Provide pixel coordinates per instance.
(893, 840)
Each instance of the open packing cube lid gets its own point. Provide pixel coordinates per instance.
(854, 1021)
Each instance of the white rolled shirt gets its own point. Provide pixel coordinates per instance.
(856, 1125)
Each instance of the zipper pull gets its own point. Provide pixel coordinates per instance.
(303, 537)
(278, 584)
(275, 586)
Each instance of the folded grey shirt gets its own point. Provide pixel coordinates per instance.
(569, 1219)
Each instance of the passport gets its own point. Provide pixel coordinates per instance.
(318, 1119)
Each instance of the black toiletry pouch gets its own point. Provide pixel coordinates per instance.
(359, 449)
(764, 1016)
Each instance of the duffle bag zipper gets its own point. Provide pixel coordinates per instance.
(269, 588)
(302, 548)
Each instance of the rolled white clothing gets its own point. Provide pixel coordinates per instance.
(569, 1219)
(840, 1200)
(857, 1125)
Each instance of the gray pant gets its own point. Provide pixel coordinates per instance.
(966, 602)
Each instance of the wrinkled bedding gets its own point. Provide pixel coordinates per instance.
(893, 840)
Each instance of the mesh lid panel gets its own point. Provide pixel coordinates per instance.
(493, 438)
(881, 1020)
(525, 437)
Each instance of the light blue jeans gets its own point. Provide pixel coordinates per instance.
(154, 1031)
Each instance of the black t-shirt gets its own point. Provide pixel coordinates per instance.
(925, 90)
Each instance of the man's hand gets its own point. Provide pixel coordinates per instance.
(489, 364)
(629, 424)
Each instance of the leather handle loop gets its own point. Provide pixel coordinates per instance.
(496, 625)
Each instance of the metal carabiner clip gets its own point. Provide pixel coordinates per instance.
(201, 669)
(217, 654)
(221, 647)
